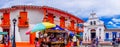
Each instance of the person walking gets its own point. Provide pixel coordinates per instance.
(96, 41)
(74, 40)
(80, 42)
(93, 43)
(114, 42)
(37, 44)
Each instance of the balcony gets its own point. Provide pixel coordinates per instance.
(5, 20)
(23, 20)
(23, 23)
(5, 24)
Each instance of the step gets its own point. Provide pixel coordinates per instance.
(20, 44)
(1, 45)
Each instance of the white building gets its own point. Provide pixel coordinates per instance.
(93, 28)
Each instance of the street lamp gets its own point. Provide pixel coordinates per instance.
(14, 22)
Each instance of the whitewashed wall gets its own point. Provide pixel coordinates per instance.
(57, 20)
(0, 27)
(67, 23)
(34, 16)
(110, 33)
(15, 14)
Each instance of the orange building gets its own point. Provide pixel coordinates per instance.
(27, 16)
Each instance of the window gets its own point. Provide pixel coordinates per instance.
(94, 22)
(100, 30)
(91, 23)
(114, 34)
(107, 35)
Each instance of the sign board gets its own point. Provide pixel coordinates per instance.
(3, 33)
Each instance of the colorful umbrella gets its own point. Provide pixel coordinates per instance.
(72, 34)
(42, 26)
(57, 28)
(48, 25)
(38, 27)
(28, 32)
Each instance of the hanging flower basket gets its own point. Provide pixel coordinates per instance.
(26, 22)
(19, 17)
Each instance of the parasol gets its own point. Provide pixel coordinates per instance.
(40, 27)
(57, 28)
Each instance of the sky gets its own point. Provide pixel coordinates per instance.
(107, 10)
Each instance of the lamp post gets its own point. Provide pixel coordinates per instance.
(14, 43)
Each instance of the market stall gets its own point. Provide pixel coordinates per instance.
(55, 37)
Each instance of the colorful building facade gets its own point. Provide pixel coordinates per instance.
(27, 16)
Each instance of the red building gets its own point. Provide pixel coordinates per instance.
(27, 16)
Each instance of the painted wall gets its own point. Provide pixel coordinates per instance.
(34, 17)
(0, 27)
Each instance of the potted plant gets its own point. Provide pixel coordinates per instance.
(19, 17)
(26, 22)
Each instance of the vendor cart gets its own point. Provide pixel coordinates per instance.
(56, 38)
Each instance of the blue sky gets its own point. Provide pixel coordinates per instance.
(106, 10)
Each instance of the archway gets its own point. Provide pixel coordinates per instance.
(93, 33)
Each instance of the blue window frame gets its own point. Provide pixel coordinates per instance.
(114, 34)
(107, 35)
(81, 34)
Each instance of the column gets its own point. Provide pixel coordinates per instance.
(32, 38)
(102, 34)
(50, 18)
(98, 33)
(85, 34)
(45, 18)
(62, 22)
(32, 35)
(77, 27)
(72, 24)
(89, 34)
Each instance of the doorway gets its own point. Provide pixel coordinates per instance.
(114, 34)
(93, 34)
(5, 38)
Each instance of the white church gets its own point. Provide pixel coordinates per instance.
(96, 28)
(93, 28)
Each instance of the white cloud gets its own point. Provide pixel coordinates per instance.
(117, 23)
(110, 22)
(80, 8)
(18, 2)
(116, 20)
(114, 25)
